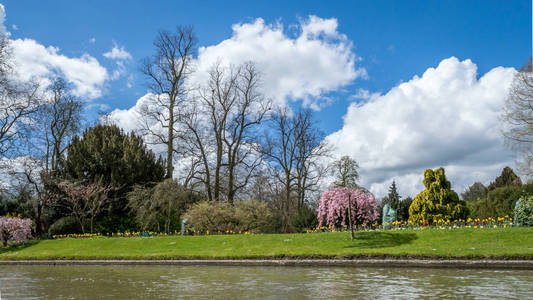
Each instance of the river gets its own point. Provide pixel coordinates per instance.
(207, 282)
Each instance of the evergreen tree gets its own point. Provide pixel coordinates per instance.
(506, 178)
(393, 198)
(438, 201)
(403, 209)
(475, 192)
(105, 154)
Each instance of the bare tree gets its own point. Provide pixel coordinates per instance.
(294, 148)
(518, 117)
(167, 72)
(85, 202)
(18, 100)
(61, 116)
(220, 129)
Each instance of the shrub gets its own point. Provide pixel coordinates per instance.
(437, 201)
(524, 212)
(333, 207)
(159, 209)
(305, 219)
(14, 229)
(217, 216)
(65, 225)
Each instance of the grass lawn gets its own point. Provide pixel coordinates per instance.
(501, 243)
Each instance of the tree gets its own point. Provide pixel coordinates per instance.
(167, 72)
(518, 116)
(14, 229)
(223, 122)
(85, 201)
(105, 154)
(393, 198)
(61, 116)
(506, 178)
(294, 148)
(438, 201)
(345, 170)
(57, 120)
(403, 209)
(18, 101)
(334, 208)
(160, 208)
(475, 192)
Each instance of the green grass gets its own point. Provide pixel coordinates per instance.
(504, 243)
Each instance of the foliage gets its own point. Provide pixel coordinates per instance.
(333, 207)
(499, 202)
(305, 219)
(393, 198)
(506, 178)
(84, 201)
(437, 201)
(403, 209)
(160, 208)
(107, 155)
(15, 229)
(221, 217)
(65, 225)
(345, 170)
(524, 212)
(475, 192)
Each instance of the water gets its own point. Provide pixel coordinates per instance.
(170, 282)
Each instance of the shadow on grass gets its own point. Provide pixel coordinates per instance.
(381, 239)
(14, 248)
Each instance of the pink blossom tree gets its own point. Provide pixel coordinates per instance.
(14, 229)
(334, 207)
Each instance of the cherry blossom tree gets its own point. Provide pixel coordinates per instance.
(14, 229)
(336, 203)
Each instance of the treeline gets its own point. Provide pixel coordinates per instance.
(498, 199)
(226, 139)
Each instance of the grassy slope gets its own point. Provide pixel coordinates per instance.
(471, 243)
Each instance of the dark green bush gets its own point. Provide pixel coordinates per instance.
(305, 219)
(65, 225)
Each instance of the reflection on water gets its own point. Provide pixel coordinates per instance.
(165, 282)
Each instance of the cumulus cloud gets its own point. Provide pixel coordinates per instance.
(118, 53)
(35, 61)
(317, 60)
(447, 117)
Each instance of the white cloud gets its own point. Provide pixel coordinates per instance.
(92, 40)
(2, 20)
(447, 117)
(316, 61)
(33, 60)
(15, 27)
(118, 53)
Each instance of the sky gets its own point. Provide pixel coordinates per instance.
(400, 86)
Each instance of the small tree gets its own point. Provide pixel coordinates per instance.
(160, 208)
(437, 201)
(346, 171)
(403, 209)
(85, 202)
(339, 205)
(14, 229)
(393, 198)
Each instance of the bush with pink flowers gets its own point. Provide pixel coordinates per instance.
(333, 208)
(14, 229)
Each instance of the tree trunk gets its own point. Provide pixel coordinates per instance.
(350, 215)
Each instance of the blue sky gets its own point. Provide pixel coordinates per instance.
(392, 40)
(395, 39)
